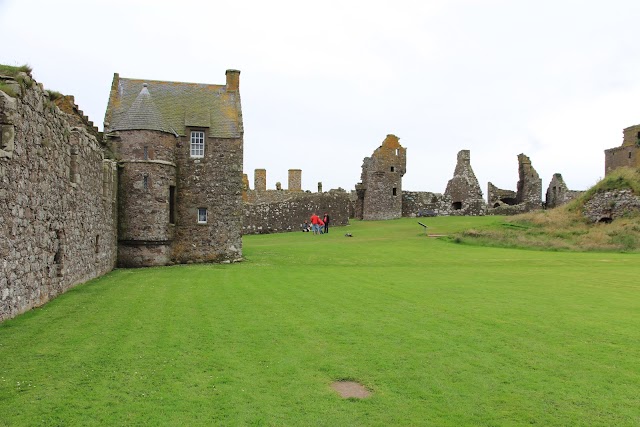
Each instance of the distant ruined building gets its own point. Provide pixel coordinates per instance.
(628, 154)
(528, 196)
(558, 193)
(463, 189)
(379, 194)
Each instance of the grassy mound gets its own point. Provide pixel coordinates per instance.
(18, 74)
(565, 228)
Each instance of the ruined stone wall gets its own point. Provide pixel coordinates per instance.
(260, 180)
(463, 189)
(295, 180)
(213, 182)
(609, 205)
(529, 185)
(424, 203)
(267, 215)
(628, 154)
(57, 203)
(558, 194)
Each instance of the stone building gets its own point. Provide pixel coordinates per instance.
(379, 194)
(628, 154)
(463, 189)
(179, 148)
(558, 193)
(57, 199)
(528, 196)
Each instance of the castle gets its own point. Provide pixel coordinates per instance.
(179, 152)
(164, 184)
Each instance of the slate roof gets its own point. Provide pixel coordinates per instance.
(172, 106)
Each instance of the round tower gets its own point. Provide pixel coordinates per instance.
(144, 145)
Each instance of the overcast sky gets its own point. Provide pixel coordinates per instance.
(323, 83)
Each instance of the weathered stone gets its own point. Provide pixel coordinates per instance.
(628, 154)
(558, 194)
(380, 190)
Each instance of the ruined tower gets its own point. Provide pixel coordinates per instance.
(295, 180)
(380, 190)
(463, 189)
(628, 154)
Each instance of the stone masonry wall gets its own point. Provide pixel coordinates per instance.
(213, 182)
(609, 205)
(290, 211)
(558, 194)
(57, 204)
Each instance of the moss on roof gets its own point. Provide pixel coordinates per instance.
(173, 106)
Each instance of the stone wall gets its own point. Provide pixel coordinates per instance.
(628, 154)
(528, 196)
(609, 205)
(558, 194)
(213, 182)
(281, 211)
(57, 203)
(463, 189)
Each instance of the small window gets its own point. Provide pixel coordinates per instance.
(202, 215)
(197, 144)
(397, 151)
(172, 204)
(395, 191)
(145, 181)
(629, 154)
(393, 168)
(146, 152)
(97, 245)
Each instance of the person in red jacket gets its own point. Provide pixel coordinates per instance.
(320, 225)
(314, 223)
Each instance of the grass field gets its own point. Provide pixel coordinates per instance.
(441, 333)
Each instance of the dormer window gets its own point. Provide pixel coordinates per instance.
(197, 144)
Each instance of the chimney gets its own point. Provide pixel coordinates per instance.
(233, 80)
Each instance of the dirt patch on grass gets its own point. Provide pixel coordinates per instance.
(347, 389)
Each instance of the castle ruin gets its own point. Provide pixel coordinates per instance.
(379, 194)
(628, 154)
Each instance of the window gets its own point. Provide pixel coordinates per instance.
(172, 204)
(395, 191)
(146, 152)
(197, 144)
(202, 215)
(393, 168)
(145, 181)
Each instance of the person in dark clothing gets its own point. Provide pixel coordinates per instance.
(326, 222)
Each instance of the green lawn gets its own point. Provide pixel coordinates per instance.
(442, 334)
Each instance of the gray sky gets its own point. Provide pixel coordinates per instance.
(323, 83)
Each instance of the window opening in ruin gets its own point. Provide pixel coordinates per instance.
(172, 204)
(629, 154)
(393, 169)
(395, 191)
(397, 151)
(202, 215)
(146, 152)
(97, 243)
(197, 144)
(73, 167)
(145, 181)
(59, 255)
(456, 205)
